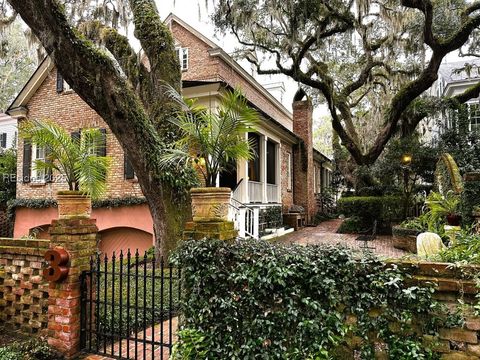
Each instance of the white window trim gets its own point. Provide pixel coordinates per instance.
(182, 54)
(35, 178)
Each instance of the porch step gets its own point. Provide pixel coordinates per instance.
(279, 232)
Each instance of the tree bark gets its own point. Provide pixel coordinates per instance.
(96, 78)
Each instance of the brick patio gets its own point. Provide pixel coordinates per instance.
(148, 348)
(325, 233)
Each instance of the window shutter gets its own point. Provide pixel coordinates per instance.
(102, 148)
(4, 140)
(128, 171)
(59, 82)
(27, 161)
(75, 136)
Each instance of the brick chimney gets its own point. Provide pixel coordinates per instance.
(303, 187)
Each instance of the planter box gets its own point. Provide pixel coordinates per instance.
(405, 239)
(210, 204)
(73, 205)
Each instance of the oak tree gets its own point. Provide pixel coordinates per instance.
(125, 88)
(370, 61)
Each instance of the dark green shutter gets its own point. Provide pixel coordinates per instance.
(102, 148)
(27, 161)
(75, 136)
(59, 82)
(128, 171)
(4, 140)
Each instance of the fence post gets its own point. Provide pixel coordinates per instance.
(78, 236)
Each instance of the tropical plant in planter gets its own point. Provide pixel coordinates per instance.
(74, 156)
(211, 140)
(445, 207)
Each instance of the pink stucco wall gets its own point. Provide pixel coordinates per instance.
(132, 217)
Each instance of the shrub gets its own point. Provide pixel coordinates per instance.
(353, 225)
(248, 300)
(35, 349)
(470, 199)
(384, 209)
(466, 248)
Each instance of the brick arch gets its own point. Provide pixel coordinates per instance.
(124, 238)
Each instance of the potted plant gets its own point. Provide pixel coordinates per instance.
(211, 140)
(445, 206)
(73, 156)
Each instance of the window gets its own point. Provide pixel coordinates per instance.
(254, 164)
(38, 175)
(289, 172)
(474, 118)
(3, 140)
(182, 54)
(271, 162)
(62, 85)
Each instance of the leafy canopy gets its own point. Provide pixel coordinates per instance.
(74, 157)
(369, 61)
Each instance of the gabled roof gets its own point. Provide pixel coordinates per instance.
(172, 17)
(449, 71)
(219, 52)
(17, 107)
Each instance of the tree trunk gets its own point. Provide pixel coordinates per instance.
(133, 116)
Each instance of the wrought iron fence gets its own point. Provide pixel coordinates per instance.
(129, 306)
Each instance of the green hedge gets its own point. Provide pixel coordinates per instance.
(251, 299)
(470, 199)
(384, 209)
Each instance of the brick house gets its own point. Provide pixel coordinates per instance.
(286, 171)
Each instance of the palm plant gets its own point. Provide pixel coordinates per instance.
(73, 157)
(444, 206)
(211, 140)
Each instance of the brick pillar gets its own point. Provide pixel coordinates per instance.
(303, 187)
(78, 237)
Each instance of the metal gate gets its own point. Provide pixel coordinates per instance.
(129, 307)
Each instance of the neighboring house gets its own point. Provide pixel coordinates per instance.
(287, 171)
(8, 131)
(453, 79)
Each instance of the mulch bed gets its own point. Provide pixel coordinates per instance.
(8, 337)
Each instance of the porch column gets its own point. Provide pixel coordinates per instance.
(242, 173)
(263, 168)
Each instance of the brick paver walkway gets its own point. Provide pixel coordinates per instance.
(148, 348)
(325, 233)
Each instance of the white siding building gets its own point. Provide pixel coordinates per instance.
(8, 131)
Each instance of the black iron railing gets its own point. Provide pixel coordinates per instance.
(129, 306)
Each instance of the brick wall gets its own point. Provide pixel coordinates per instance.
(454, 286)
(287, 194)
(72, 113)
(23, 292)
(303, 188)
(204, 67)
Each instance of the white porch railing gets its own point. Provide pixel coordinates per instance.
(272, 193)
(245, 219)
(255, 191)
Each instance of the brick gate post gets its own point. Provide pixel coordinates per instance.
(78, 236)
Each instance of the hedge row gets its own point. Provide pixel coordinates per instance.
(249, 300)
(366, 209)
